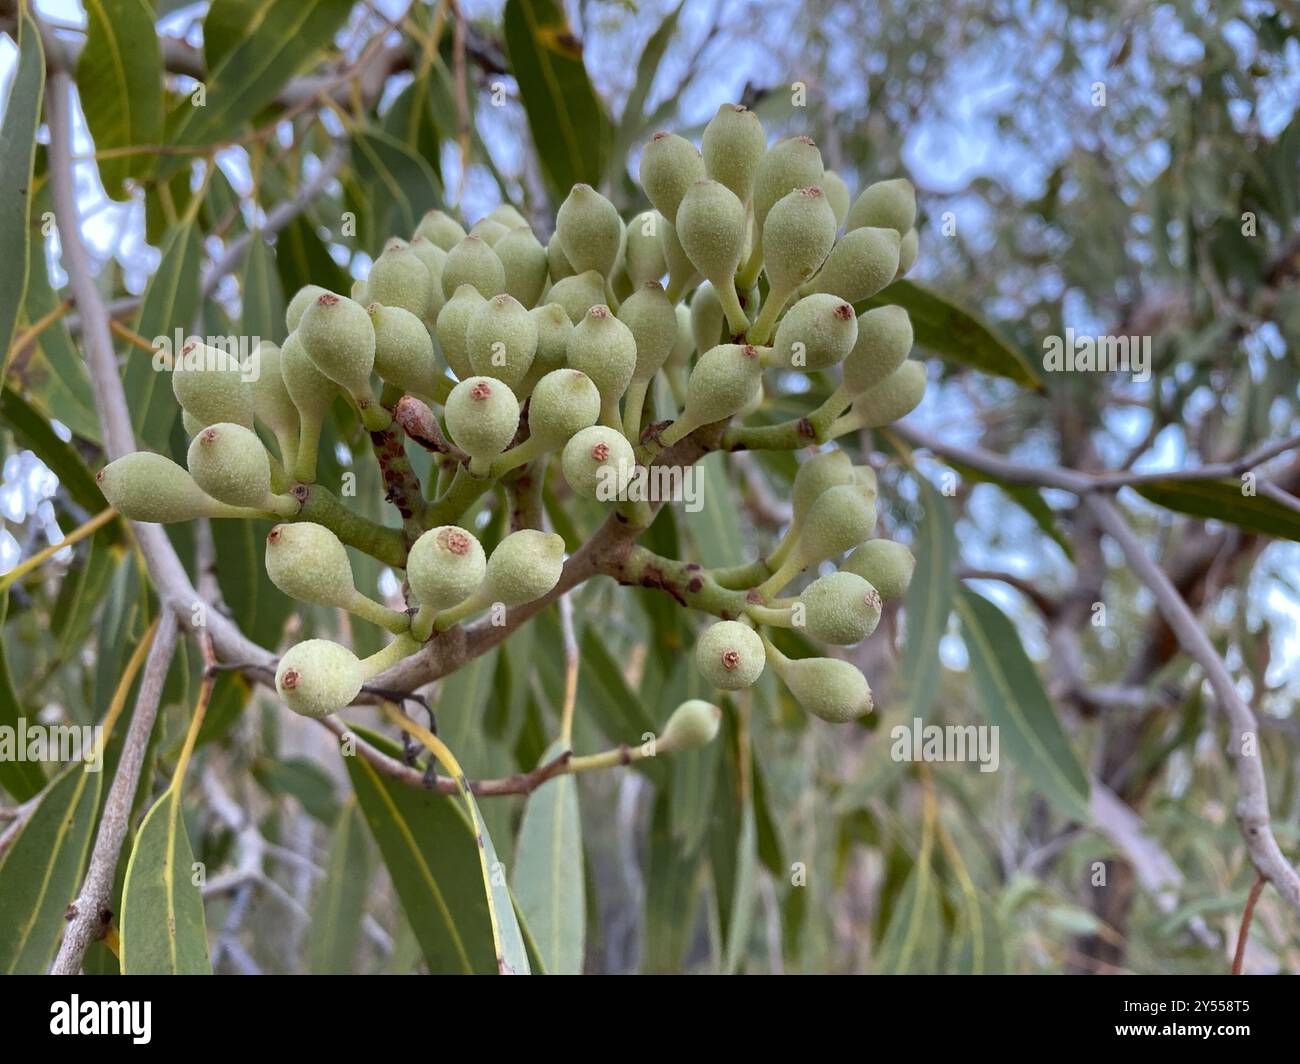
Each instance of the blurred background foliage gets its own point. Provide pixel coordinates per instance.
(1107, 167)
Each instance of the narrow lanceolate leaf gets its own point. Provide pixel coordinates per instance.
(405, 184)
(340, 905)
(64, 460)
(41, 870)
(427, 843)
(715, 526)
(548, 876)
(929, 600)
(22, 114)
(512, 955)
(23, 779)
(570, 128)
(171, 302)
(119, 80)
(273, 45)
(634, 120)
(912, 938)
(956, 334)
(264, 301)
(163, 928)
(1223, 500)
(1016, 702)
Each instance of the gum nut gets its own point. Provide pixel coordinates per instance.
(885, 565)
(893, 398)
(816, 333)
(524, 261)
(733, 145)
(482, 416)
(828, 688)
(885, 205)
(841, 608)
(441, 229)
(312, 392)
(860, 265)
(338, 337)
(501, 340)
(883, 344)
(308, 563)
(301, 300)
(473, 262)
(210, 384)
(143, 486)
(230, 463)
(452, 328)
(669, 166)
(525, 566)
(272, 403)
(798, 234)
(711, 225)
(652, 320)
(317, 678)
(824, 470)
(605, 350)
(596, 463)
(693, 724)
(578, 294)
(563, 403)
(553, 331)
(838, 520)
(589, 229)
(403, 349)
(730, 655)
(785, 166)
(446, 565)
(722, 382)
(644, 254)
(399, 278)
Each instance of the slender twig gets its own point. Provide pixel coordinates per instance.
(570, 671)
(1247, 915)
(89, 915)
(1252, 797)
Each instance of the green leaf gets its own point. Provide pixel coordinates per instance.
(912, 940)
(260, 608)
(17, 156)
(119, 81)
(1016, 702)
(549, 881)
(571, 131)
(715, 527)
(956, 334)
(671, 892)
(171, 302)
(604, 694)
(405, 185)
(633, 122)
(41, 870)
(929, 600)
(427, 842)
(301, 258)
(163, 927)
(225, 25)
(512, 955)
(1222, 500)
(303, 780)
(274, 45)
(413, 121)
(979, 941)
(340, 903)
(35, 433)
(264, 302)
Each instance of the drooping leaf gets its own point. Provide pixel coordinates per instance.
(163, 927)
(955, 333)
(35, 433)
(22, 115)
(301, 258)
(715, 526)
(571, 131)
(404, 185)
(549, 881)
(928, 602)
(1222, 500)
(260, 608)
(264, 300)
(119, 80)
(41, 870)
(634, 120)
(1016, 702)
(340, 902)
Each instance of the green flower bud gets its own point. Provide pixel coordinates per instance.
(605, 350)
(143, 486)
(682, 274)
(482, 418)
(312, 392)
(403, 350)
(669, 166)
(694, 723)
(434, 259)
(525, 566)
(210, 384)
(711, 225)
(337, 335)
(884, 340)
(860, 264)
(399, 278)
(787, 165)
(589, 229)
(817, 474)
(908, 249)
(734, 144)
(722, 382)
(578, 294)
(229, 463)
(357, 293)
(685, 343)
(441, 229)
(473, 262)
(816, 333)
(893, 398)
(828, 688)
(652, 320)
(524, 260)
(317, 678)
(308, 563)
(301, 300)
(507, 216)
(885, 565)
(272, 402)
(501, 340)
(644, 254)
(730, 655)
(798, 234)
(837, 195)
(865, 478)
(445, 566)
(884, 205)
(841, 608)
(557, 265)
(564, 402)
(453, 328)
(553, 331)
(595, 459)
(707, 319)
(489, 230)
(838, 519)
(192, 425)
